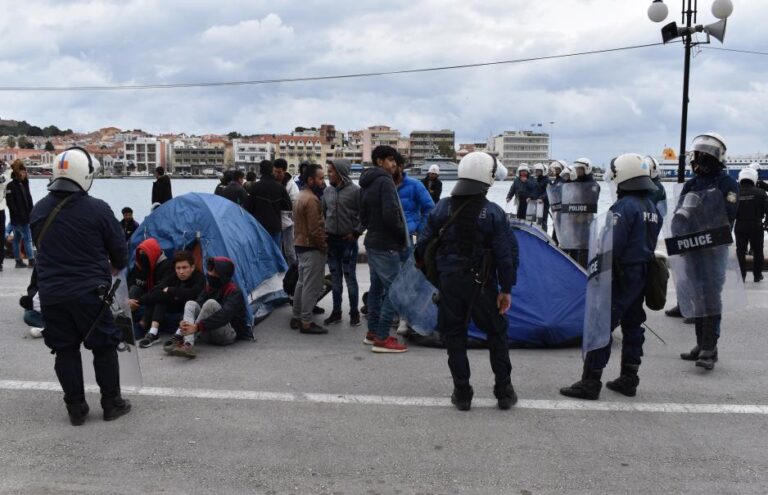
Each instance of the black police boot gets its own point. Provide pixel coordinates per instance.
(462, 398)
(77, 411)
(587, 388)
(627, 383)
(674, 312)
(693, 354)
(505, 395)
(115, 407)
(708, 352)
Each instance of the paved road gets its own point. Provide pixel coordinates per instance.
(306, 414)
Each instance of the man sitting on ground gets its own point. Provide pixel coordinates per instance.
(165, 304)
(217, 317)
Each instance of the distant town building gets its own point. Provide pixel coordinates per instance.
(144, 154)
(516, 147)
(425, 144)
(297, 149)
(248, 153)
(198, 161)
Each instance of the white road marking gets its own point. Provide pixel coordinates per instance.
(385, 400)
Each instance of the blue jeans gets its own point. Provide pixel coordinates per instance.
(342, 262)
(34, 318)
(384, 267)
(19, 232)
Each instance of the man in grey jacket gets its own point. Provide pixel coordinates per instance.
(341, 206)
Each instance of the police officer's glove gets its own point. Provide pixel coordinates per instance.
(26, 302)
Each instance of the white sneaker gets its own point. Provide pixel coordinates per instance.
(36, 332)
(402, 328)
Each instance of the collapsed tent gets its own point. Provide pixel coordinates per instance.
(214, 226)
(547, 301)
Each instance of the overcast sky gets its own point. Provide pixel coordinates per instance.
(602, 105)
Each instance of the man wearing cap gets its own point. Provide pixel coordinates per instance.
(433, 183)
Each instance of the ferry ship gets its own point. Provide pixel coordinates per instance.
(668, 165)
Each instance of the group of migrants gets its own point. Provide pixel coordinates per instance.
(466, 237)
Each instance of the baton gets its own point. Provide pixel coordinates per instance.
(106, 303)
(656, 334)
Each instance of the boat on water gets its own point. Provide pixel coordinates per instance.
(449, 170)
(669, 161)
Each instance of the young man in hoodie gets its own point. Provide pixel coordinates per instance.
(165, 304)
(311, 249)
(19, 202)
(217, 317)
(386, 244)
(279, 172)
(341, 205)
(150, 267)
(161, 188)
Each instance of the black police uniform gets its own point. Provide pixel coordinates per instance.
(74, 258)
(752, 210)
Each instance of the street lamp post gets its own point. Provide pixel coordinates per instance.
(657, 12)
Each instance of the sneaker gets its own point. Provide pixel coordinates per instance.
(369, 338)
(114, 408)
(403, 328)
(149, 340)
(317, 310)
(295, 323)
(390, 345)
(354, 319)
(313, 329)
(333, 319)
(20, 264)
(174, 341)
(186, 350)
(36, 332)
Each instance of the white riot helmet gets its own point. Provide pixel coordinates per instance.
(557, 166)
(566, 173)
(584, 163)
(631, 172)
(755, 166)
(653, 164)
(749, 174)
(523, 167)
(540, 166)
(710, 143)
(73, 171)
(434, 169)
(477, 171)
(501, 172)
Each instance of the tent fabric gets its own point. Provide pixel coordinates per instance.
(548, 300)
(220, 228)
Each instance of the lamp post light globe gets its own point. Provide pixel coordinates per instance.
(658, 11)
(722, 9)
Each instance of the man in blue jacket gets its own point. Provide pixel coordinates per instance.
(77, 249)
(477, 261)
(415, 199)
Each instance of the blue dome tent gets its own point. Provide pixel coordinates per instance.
(219, 227)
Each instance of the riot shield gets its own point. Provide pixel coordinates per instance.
(579, 206)
(530, 211)
(412, 296)
(127, 351)
(540, 212)
(555, 195)
(597, 311)
(702, 256)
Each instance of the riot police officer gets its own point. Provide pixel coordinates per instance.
(555, 193)
(752, 211)
(636, 224)
(579, 205)
(708, 202)
(477, 261)
(79, 242)
(660, 196)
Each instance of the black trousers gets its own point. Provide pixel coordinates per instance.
(456, 293)
(2, 244)
(66, 327)
(753, 237)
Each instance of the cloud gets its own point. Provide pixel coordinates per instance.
(601, 104)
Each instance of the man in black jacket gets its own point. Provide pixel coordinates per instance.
(433, 183)
(753, 208)
(20, 205)
(77, 251)
(128, 224)
(234, 190)
(161, 188)
(386, 243)
(267, 200)
(165, 304)
(218, 316)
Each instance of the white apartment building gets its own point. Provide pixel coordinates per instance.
(516, 147)
(248, 154)
(147, 153)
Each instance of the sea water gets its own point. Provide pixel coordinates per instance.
(137, 193)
